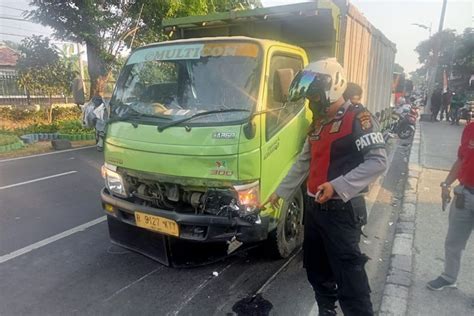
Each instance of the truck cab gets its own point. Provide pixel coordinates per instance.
(200, 133)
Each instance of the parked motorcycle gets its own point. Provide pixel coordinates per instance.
(94, 115)
(403, 122)
(465, 113)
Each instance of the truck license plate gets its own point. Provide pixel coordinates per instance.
(157, 223)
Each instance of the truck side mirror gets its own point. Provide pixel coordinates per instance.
(281, 84)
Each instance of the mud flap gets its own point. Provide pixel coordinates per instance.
(169, 251)
(145, 242)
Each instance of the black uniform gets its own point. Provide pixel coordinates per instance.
(349, 153)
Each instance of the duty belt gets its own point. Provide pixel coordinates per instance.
(332, 205)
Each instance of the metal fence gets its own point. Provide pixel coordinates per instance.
(12, 94)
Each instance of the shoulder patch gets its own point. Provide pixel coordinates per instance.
(365, 120)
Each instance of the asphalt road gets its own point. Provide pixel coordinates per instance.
(56, 257)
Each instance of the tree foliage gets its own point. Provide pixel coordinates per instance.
(101, 25)
(455, 54)
(40, 69)
(11, 44)
(108, 26)
(398, 68)
(463, 64)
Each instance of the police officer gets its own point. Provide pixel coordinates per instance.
(343, 154)
(461, 213)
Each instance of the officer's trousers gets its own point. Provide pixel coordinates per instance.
(461, 224)
(332, 257)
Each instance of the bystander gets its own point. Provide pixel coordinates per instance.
(461, 214)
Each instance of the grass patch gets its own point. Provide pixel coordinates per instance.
(40, 148)
(7, 139)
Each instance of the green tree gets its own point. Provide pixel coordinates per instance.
(12, 45)
(463, 64)
(108, 26)
(398, 68)
(419, 79)
(41, 70)
(154, 11)
(426, 49)
(101, 25)
(456, 54)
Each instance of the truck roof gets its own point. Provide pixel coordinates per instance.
(265, 43)
(231, 16)
(329, 12)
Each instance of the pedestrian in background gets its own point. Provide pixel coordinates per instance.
(353, 93)
(343, 154)
(446, 101)
(435, 104)
(461, 214)
(457, 102)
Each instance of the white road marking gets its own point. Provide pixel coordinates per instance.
(274, 275)
(196, 291)
(51, 239)
(133, 283)
(36, 180)
(46, 154)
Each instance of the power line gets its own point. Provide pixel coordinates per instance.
(12, 8)
(26, 30)
(15, 19)
(11, 34)
(13, 16)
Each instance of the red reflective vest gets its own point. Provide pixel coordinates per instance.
(466, 155)
(339, 146)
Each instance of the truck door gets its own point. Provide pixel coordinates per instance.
(283, 130)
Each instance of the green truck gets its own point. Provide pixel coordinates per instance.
(201, 131)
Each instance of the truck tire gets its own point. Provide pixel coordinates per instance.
(288, 236)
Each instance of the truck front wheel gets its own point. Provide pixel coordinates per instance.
(288, 236)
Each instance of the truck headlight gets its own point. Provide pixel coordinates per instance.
(113, 181)
(249, 195)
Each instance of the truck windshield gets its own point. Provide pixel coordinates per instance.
(178, 81)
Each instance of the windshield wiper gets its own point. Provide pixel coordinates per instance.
(177, 122)
(135, 117)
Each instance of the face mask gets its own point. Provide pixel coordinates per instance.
(319, 111)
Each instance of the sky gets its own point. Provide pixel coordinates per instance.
(393, 18)
(17, 29)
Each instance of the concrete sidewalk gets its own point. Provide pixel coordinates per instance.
(439, 143)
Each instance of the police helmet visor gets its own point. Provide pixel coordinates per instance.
(310, 85)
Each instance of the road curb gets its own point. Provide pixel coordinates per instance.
(399, 277)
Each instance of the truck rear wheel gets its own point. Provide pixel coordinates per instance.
(288, 236)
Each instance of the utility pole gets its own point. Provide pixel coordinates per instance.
(136, 26)
(81, 64)
(434, 67)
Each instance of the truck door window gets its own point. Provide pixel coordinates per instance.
(280, 65)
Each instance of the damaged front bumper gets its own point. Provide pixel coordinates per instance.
(192, 227)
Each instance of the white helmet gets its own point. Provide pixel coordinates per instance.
(323, 75)
(331, 67)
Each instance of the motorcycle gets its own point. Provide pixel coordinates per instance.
(403, 122)
(94, 115)
(465, 113)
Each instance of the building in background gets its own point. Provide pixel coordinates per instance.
(8, 59)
